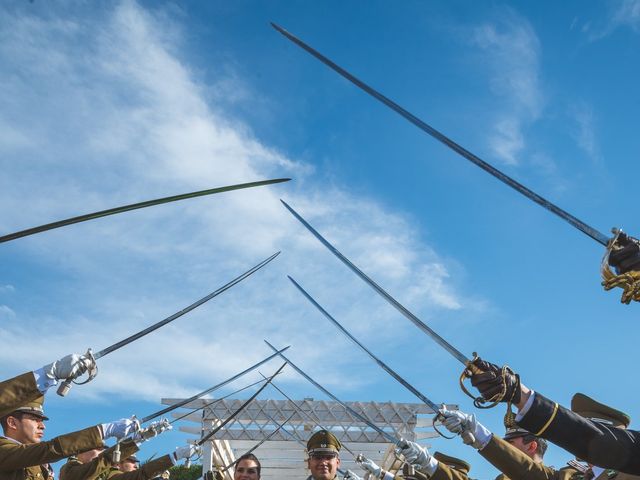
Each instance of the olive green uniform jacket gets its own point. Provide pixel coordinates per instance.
(16, 392)
(516, 465)
(74, 469)
(593, 442)
(443, 472)
(145, 472)
(27, 462)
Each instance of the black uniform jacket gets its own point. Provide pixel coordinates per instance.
(592, 442)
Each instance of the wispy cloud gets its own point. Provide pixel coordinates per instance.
(511, 51)
(105, 111)
(585, 129)
(619, 14)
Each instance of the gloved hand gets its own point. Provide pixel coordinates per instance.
(625, 254)
(351, 476)
(120, 428)
(153, 430)
(496, 383)
(185, 452)
(463, 424)
(369, 465)
(68, 367)
(415, 454)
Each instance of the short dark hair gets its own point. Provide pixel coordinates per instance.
(3, 420)
(542, 443)
(249, 456)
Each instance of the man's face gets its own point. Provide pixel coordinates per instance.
(528, 449)
(324, 466)
(127, 466)
(26, 428)
(246, 470)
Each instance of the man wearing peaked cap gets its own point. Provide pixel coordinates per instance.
(25, 388)
(323, 449)
(23, 454)
(596, 442)
(518, 455)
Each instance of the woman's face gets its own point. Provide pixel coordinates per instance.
(246, 470)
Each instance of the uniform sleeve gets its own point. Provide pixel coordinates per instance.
(445, 472)
(17, 391)
(14, 456)
(98, 466)
(595, 443)
(147, 471)
(515, 464)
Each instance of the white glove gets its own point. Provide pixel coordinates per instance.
(153, 430)
(369, 465)
(120, 428)
(351, 476)
(70, 366)
(464, 424)
(415, 454)
(185, 452)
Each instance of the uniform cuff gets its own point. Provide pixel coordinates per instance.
(527, 406)
(43, 382)
(431, 467)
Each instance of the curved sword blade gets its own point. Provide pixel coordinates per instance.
(209, 390)
(530, 194)
(306, 414)
(134, 206)
(382, 292)
(242, 407)
(363, 419)
(194, 305)
(380, 363)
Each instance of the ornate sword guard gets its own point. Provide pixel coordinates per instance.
(90, 366)
(154, 429)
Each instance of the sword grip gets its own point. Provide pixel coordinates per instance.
(115, 457)
(64, 387)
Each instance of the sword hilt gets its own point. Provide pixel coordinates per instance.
(88, 364)
(115, 456)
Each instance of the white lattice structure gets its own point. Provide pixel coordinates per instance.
(283, 454)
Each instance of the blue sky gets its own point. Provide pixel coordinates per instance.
(107, 103)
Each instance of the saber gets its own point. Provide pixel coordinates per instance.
(530, 194)
(209, 390)
(306, 414)
(215, 401)
(381, 364)
(242, 407)
(255, 447)
(91, 358)
(396, 441)
(397, 305)
(134, 206)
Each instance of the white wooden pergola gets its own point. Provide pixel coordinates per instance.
(283, 454)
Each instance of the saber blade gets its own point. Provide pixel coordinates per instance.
(134, 206)
(176, 315)
(382, 292)
(380, 363)
(363, 419)
(242, 407)
(209, 390)
(530, 194)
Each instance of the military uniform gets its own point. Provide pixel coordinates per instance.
(17, 392)
(517, 465)
(20, 461)
(449, 468)
(596, 442)
(74, 469)
(145, 472)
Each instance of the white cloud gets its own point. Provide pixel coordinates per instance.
(585, 131)
(107, 113)
(511, 51)
(7, 288)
